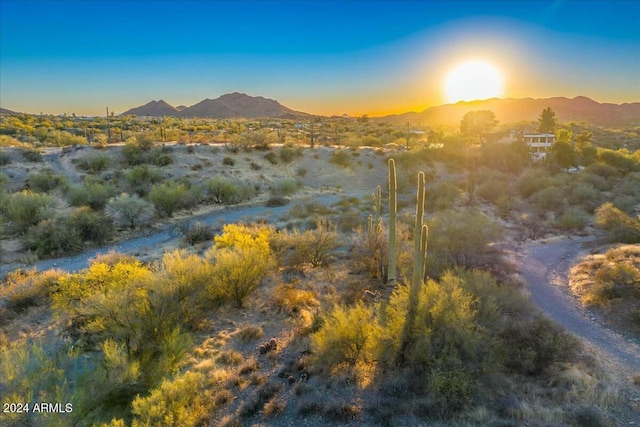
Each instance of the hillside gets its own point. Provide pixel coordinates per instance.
(231, 105)
(513, 110)
(240, 105)
(4, 111)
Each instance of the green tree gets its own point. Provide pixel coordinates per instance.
(476, 123)
(547, 121)
(564, 154)
(583, 140)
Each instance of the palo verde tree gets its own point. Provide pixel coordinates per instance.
(547, 121)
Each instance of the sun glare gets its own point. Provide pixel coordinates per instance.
(473, 80)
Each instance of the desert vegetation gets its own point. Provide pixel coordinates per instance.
(396, 309)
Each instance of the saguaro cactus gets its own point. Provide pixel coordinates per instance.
(419, 262)
(393, 203)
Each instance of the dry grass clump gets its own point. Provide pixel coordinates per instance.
(249, 366)
(230, 357)
(275, 406)
(222, 397)
(290, 299)
(249, 333)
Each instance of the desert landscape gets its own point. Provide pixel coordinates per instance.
(329, 257)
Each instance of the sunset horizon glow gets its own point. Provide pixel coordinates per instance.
(324, 58)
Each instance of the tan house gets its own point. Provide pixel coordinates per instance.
(539, 144)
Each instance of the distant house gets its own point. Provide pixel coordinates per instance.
(539, 144)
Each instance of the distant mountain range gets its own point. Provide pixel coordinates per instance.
(240, 105)
(232, 105)
(514, 110)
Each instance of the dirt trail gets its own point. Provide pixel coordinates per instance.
(545, 268)
(168, 234)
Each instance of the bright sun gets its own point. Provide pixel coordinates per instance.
(473, 80)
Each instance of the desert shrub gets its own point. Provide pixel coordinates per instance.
(619, 280)
(197, 232)
(572, 219)
(532, 181)
(491, 191)
(169, 197)
(629, 185)
(92, 194)
(291, 300)
(94, 164)
(309, 209)
(229, 357)
(341, 158)
(598, 182)
(448, 348)
(445, 331)
(271, 157)
(549, 199)
(181, 401)
(627, 204)
(45, 181)
(161, 159)
(624, 161)
(284, 187)
(31, 154)
(182, 279)
(533, 346)
(288, 154)
(27, 208)
(53, 237)
(276, 201)
(441, 196)
(227, 191)
(241, 258)
(25, 288)
(142, 151)
(129, 211)
(228, 161)
(91, 225)
(586, 196)
(140, 179)
(348, 336)
(274, 406)
(619, 226)
(4, 179)
(602, 169)
(314, 247)
(461, 239)
(249, 333)
(5, 159)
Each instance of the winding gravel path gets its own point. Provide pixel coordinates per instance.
(545, 268)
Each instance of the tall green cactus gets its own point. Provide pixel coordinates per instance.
(419, 262)
(393, 203)
(377, 201)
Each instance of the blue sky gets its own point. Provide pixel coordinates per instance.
(323, 57)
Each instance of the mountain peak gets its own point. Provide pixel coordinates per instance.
(153, 109)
